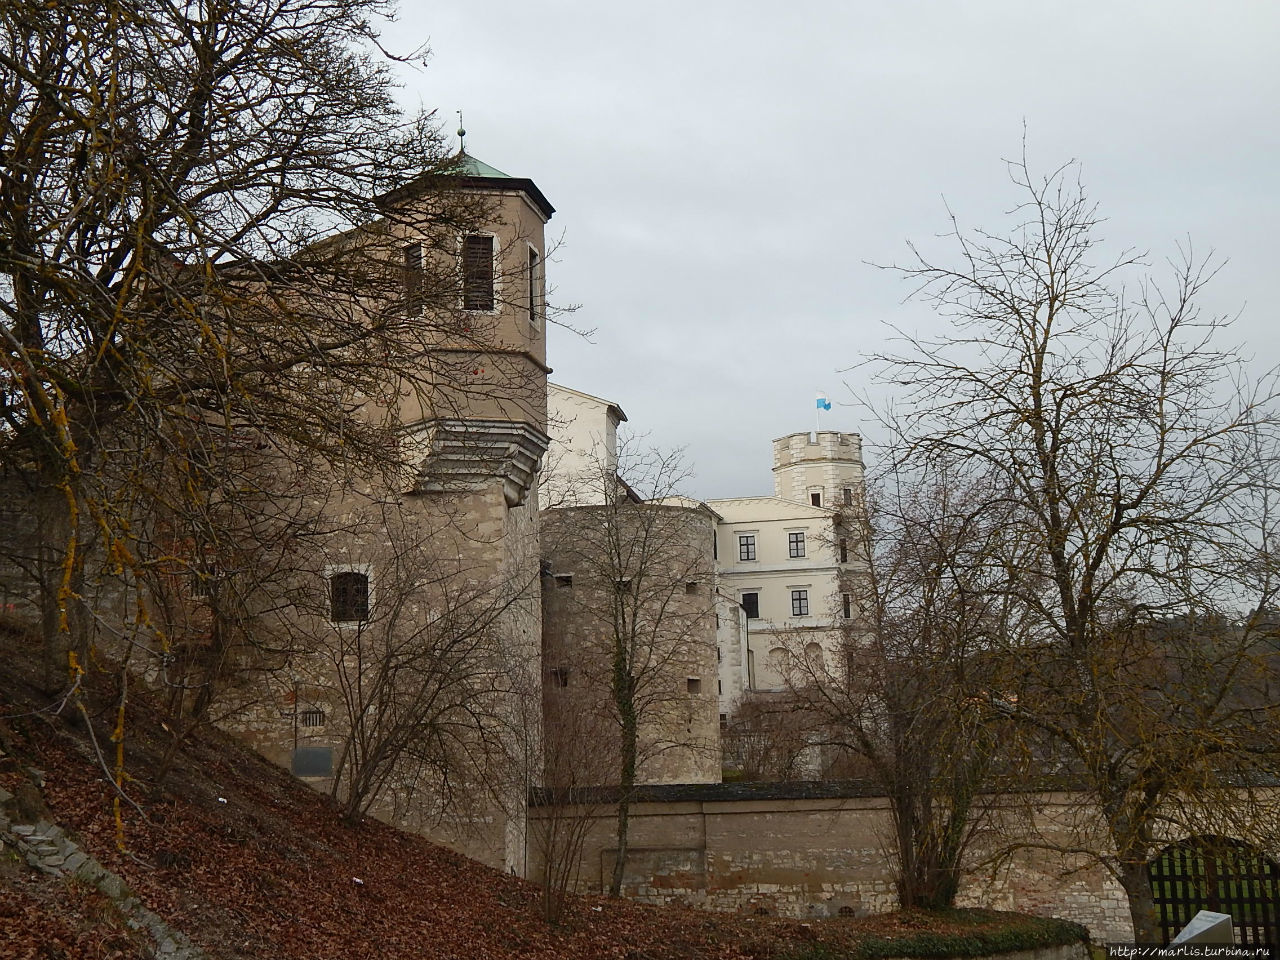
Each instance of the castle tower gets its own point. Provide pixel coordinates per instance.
(822, 469)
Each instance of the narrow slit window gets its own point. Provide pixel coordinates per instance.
(533, 288)
(413, 279)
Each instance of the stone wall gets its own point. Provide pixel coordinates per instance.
(820, 849)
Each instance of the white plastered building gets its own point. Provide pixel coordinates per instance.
(782, 559)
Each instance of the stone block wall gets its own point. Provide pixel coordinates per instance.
(817, 849)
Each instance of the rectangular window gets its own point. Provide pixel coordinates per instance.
(349, 597)
(204, 582)
(413, 279)
(846, 605)
(815, 499)
(747, 546)
(691, 588)
(848, 497)
(311, 717)
(477, 272)
(799, 603)
(693, 685)
(564, 580)
(795, 545)
(533, 288)
(560, 677)
(751, 604)
(844, 550)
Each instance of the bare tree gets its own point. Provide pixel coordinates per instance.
(421, 671)
(572, 800)
(204, 207)
(630, 625)
(908, 706)
(1120, 448)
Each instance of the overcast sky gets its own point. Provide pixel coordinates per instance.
(724, 171)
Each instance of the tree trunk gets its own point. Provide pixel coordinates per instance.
(1136, 880)
(630, 736)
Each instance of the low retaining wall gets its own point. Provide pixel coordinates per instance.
(808, 850)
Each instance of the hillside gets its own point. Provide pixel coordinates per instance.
(249, 863)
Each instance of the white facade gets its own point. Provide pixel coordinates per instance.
(781, 557)
(584, 447)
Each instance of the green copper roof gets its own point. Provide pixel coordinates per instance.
(469, 166)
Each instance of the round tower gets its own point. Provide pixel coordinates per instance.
(823, 469)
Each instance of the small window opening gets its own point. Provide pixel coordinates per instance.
(751, 604)
(848, 496)
(846, 605)
(815, 499)
(311, 717)
(564, 580)
(204, 583)
(693, 685)
(349, 597)
(844, 551)
(560, 677)
(691, 587)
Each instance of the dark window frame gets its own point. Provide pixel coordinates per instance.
(746, 546)
(413, 279)
(534, 260)
(795, 545)
(752, 607)
(800, 603)
(349, 596)
(478, 281)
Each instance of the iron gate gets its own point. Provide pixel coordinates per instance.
(1220, 874)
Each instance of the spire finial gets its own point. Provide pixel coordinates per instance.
(462, 134)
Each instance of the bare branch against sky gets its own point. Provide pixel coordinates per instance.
(725, 170)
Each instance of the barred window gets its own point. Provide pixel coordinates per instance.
(349, 597)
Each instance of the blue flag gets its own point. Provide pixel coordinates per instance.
(823, 402)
